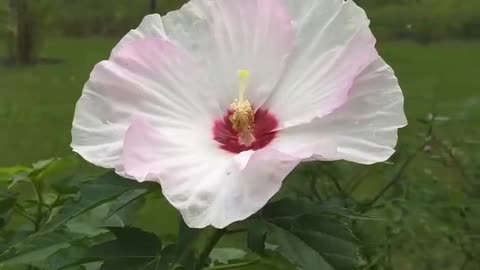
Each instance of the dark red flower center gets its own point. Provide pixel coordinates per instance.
(264, 131)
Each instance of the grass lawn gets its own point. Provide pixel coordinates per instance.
(37, 103)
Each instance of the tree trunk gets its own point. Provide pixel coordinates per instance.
(22, 35)
(153, 6)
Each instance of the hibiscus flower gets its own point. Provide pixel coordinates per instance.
(219, 101)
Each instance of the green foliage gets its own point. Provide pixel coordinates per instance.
(131, 249)
(77, 253)
(63, 197)
(73, 219)
(109, 185)
(257, 233)
(7, 202)
(311, 237)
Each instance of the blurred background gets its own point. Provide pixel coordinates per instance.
(430, 217)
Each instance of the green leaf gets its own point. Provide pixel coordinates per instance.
(7, 174)
(69, 257)
(52, 170)
(42, 164)
(18, 178)
(92, 194)
(7, 203)
(226, 255)
(312, 237)
(78, 253)
(165, 261)
(291, 209)
(125, 200)
(37, 247)
(60, 173)
(328, 225)
(185, 246)
(257, 233)
(296, 250)
(93, 221)
(186, 237)
(132, 249)
(32, 173)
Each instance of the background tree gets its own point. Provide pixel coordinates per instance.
(25, 19)
(153, 6)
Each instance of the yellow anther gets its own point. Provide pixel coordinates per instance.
(243, 116)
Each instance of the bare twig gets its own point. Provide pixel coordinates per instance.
(398, 176)
(458, 165)
(394, 180)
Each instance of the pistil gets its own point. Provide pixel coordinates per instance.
(243, 116)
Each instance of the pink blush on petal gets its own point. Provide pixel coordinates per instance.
(265, 131)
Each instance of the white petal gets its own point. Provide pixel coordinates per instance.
(151, 26)
(364, 129)
(149, 77)
(334, 44)
(229, 35)
(201, 180)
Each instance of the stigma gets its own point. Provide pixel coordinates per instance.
(243, 115)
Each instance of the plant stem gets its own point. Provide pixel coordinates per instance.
(21, 212)
(394, 180)
(202, 258)
(231, 266)
(39, 217)
(458, 165)
(398, 176)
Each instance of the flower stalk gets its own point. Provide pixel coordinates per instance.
(212, 242)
